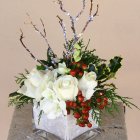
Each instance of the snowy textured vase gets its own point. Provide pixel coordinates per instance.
(64, 127)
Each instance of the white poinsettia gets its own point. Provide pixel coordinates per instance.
(62, 68)
(87, 84)
(66, 87)
(51, 106)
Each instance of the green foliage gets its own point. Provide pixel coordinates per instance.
(108, 91)
(115, 64)
(106, 72)
(20, 79)
(40, 67)
(19, 100)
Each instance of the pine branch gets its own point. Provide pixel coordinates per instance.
(20, 79)
(19, 100)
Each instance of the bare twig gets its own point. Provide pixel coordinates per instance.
(21, 40)
(87, 44)
(63, 28)
(90, 19)
(83, 8)
(36, 29)
(72, 19)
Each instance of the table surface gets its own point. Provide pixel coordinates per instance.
(112, 127)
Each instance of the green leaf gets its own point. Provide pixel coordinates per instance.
(41, 67)
(13, 94)
(115, 64)
(77, 46)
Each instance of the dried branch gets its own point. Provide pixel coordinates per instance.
(72, 19)
(21, 40)
(63, 28)
(90, 19)
(83, 8)
(87, 45)
(43, 34)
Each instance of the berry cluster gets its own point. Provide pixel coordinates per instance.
(102, 101)
(77, 69)
(80, 109)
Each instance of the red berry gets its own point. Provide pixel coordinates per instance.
(84, 66)
(67, 103)
(89, 100)
(78, 64)
(105, 99)
(74, 105)
(101, 106)
(105, 103)
(80, 74)
(88, 108)
(80, 93)
(85, 111)
(81, 124)
(98, 100)
(77, 115)
(73, 73)
(80, 99)
(85, 116)
(83, 104)
(89, 125)
(77, 70)
(71, 104)
(68, 111)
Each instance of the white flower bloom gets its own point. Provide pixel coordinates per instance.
(27, 89)
(62, 68)
(87, 84)
(66, 87)
(51, 106)
(36, 83)
(35, 77)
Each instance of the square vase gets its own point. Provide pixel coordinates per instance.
(63, 127)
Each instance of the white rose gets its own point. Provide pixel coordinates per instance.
(66, 87)
(62, 68)
(51, 106)
(87, 84)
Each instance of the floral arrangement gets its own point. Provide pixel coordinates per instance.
(74, 84)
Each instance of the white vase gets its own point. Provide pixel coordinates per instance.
(64, 127)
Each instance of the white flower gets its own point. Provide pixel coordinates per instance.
(36, 83)
(66, 87)
(51, 106)
(62, 68)
(87, 84)
(35, 77)
(28, 89)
